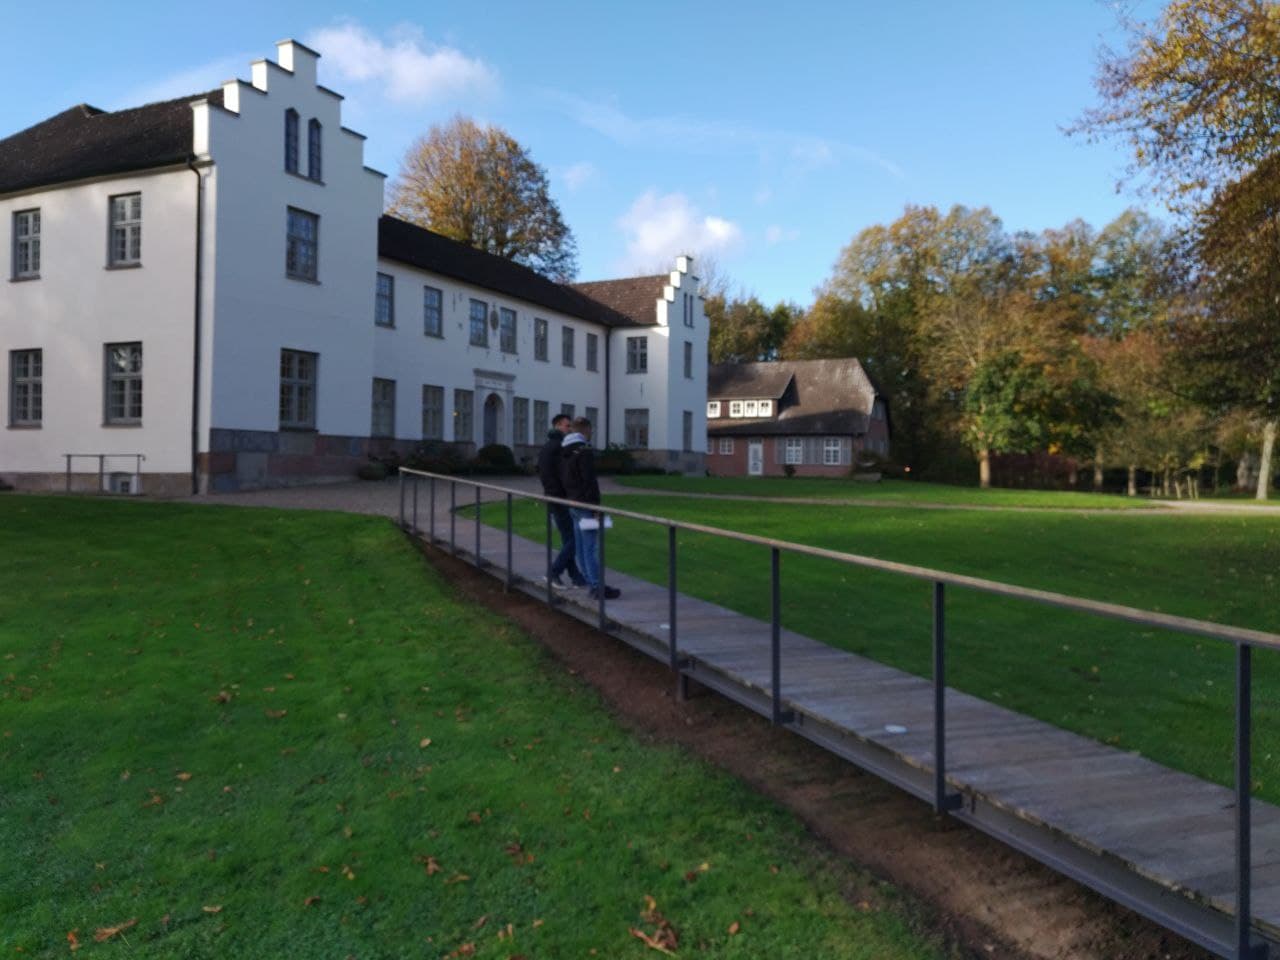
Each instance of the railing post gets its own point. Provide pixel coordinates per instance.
(415, 504)
(600, 587)
(672, 632)
(942, 801)
(479, 562)
(453, 516)
(68, 456)
(102, 469)
(511, 576)
(551, 598)
(431, 515)
(1246, 949)
(780, 716)
(401, 488)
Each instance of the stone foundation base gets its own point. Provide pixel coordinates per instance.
(144, 484)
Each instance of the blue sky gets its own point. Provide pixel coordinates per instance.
(765, 134)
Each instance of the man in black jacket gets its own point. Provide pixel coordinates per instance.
(578, 474)
(552, 486)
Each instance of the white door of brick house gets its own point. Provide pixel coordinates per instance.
(755, 458)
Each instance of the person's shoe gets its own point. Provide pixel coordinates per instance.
(610, 593)
(556, 582)
(580, 583)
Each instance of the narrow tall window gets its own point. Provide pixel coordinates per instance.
(637, 354)
(124, 382)
(126, 230)
(303, 246)
(291, 140)
(568, 410)
(687, 426)
(636, 428)
(432, 412)
(26, 388)
(507, 330)
(593, 352)
(297, 390)
(313, 149)
(540, 337)
(383, 421)
(464, 402)
(384, 301)
(520, 420)
(566, 346)
(794, 453)
(432, 312)
(541, 417)
(479, 323)
(726, 445)
(713, 409)
(688, 360)
(593, 414)
(832, 448)
(26, 244)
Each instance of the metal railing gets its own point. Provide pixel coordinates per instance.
(1245, 947)
(102, 459)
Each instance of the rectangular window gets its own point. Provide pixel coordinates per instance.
(750, 408)
(794, 453)
(688, 310)
(383, 421)
(710, 442)
(636, 428)
(566, 345)
(303, 246)
(297, 390)
(713, 409)
(291, 140)
(313, 149)
(567, 410)
(726, 445)
(540, 337)
(432, 312)
(26, 244)
(384, 303)
(520, 420)
(507, 330)
(766, 408)
(688, 361)
(26, 388)
(541, 418)
(593, 414)
(637, 354)
(479, 323)
(831, 447)
(593, 352)
(432, 412)
(126, 230)
(735, 408)
(463, 416)
(687, 430)
(124, 382)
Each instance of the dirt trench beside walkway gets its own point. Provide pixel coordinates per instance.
(993, 900)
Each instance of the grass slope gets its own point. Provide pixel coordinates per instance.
(268, 734)
(1166, 695)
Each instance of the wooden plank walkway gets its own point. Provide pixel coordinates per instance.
(1139, 832)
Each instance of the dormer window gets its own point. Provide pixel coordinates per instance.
(713, 409)
(766, 408)
(313, 149)
(735, 408)
(291, 140)
(750, 408)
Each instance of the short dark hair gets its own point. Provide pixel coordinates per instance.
(561, 416)
(582, 423)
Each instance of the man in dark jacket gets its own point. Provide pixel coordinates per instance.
(578, 474)
(553, 486)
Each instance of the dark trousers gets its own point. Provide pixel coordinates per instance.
(564, 561)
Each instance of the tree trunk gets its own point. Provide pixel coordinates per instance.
(1073, 475)
(1097, 471)
(1264, 468)
(984, 468)
(1133, 481)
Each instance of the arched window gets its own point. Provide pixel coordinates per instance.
(313, 149)
(291, 140)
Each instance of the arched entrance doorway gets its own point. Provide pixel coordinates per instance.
(493, 419)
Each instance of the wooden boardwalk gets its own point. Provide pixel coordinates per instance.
(1147, 836)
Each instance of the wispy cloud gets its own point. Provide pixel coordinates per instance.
(194, 80)
(659, 226)
(403, 65)
(775, 234)
(579, 174)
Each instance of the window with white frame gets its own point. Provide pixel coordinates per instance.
(26, 388)
(710, 446)
(464, 403)
(592, 414)
(383, 421)
(713, 409)
(686, 426)
(126, 230)
(298, 390)
(507, 330)
(726, 445)
(832, 448)
(432, 312)
(384, 301)
(566, 345)
(479, 323)
(124, 382)
(637, 354)
(26, 244)
(688, 361)
(794, 451)
(520, 420)
(750, 408)
(766, 408)
(432, 412)
(593, 352)
(291, 140)
(303, 245)
(636, 428)
(541, 330)
(735, 408)
(541, 417)
(313, 149)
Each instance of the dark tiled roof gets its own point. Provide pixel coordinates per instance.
(633, 297)
(830, 397)
(87, 142)
(427, 250)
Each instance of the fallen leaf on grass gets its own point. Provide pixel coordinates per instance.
(458, 878)
(664, 938)
(222, 697)
(275, 714)
(184, 777)
(106, 933)
(216, 909)
(538, 923)
(310, 901)
(466, 950)
(480, 923)
(649, 941)
(734, 928)
(425, 742)
(73, 939)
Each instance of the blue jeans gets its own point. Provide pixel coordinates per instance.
(587, 544)
(564, 561)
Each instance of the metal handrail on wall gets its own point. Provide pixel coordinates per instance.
(102, 459)
(1244, 948)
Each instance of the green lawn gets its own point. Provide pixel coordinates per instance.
(1166, 695)
(894, 491)
(269, 734)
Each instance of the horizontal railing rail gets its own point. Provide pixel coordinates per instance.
(102, 459)
(1243, 945)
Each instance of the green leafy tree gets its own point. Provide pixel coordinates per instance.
(745, 330)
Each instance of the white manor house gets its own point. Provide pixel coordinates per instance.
(209, 283)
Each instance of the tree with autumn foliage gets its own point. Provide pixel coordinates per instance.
(478, 185)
